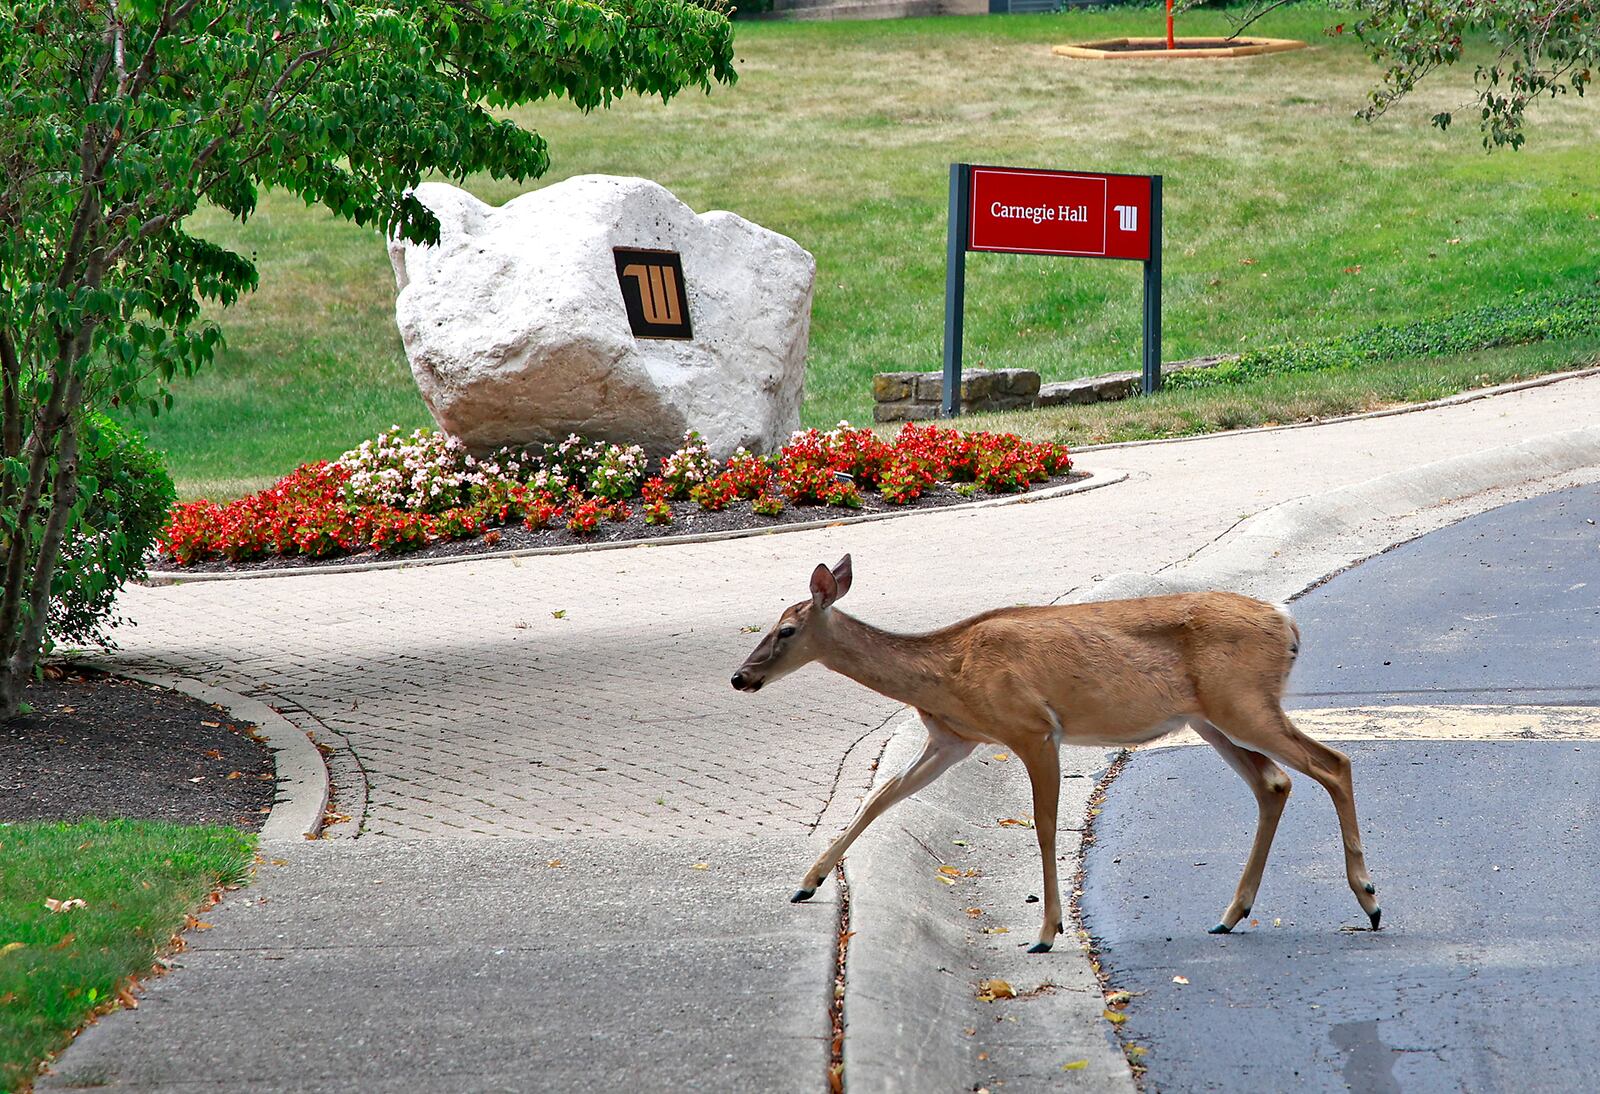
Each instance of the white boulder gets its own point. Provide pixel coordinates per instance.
(516, 329)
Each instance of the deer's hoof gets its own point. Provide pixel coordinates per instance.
(1040, 947)
(1220, 928)
(802, 895)
(1375, 915)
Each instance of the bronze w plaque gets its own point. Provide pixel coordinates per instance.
(654, 293)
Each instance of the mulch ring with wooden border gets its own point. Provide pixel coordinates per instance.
(688, 519)
(1182, 48)
(97, 745)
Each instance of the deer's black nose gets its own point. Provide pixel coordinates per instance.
(738, 680)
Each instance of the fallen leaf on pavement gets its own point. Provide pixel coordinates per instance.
(974, 913)
(1137, 1050)
(1002, 757)
(944, 880)
(701, 866)
(950, 871)
(1075, 1065)
(1119, 998)
(990, 990)
(559, 614)
(1180, 979)
(997, 930)
(1015, 822)
(1115, 1017)
(555, 864)
(212, 725)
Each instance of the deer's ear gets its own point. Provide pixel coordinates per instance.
(824, 587)
(841, 575)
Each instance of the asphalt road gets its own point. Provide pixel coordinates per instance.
(1486, 854)
(1503, 608)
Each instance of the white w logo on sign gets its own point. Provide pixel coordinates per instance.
(1128, 217)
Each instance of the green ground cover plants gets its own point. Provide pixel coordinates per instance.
(137, 879)
(1287, 221)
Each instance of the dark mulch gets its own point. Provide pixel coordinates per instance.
(100, 746)
(688, 519)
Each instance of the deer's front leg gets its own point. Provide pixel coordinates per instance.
(942, 750)
(1044, 772)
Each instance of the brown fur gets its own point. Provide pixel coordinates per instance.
(1118, 672)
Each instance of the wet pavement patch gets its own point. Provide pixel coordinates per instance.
(1485, 976)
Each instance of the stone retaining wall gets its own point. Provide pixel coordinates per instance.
(916, 396)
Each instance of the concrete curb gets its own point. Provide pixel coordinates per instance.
(1095, 481)
(302, 783)
(902, 1003)
(899, 996)
(911, 981)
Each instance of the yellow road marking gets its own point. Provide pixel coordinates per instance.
(1434, 723)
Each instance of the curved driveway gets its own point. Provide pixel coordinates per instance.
(473, 709)
(1486, 854)
(577, 839)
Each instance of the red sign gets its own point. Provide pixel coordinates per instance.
(1060, 213)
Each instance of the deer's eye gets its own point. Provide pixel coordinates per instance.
(786, 631)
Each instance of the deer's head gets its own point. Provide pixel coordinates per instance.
(799, 635)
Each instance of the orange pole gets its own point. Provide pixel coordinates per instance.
(1172, 42)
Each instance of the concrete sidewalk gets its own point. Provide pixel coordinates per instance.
(490, 965)
(469, 719)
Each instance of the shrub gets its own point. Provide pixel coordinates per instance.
(129, 495)
(617, 473)
(750, 474)
(585, 517)
(541, 511)
(714, 494)
(688, 467)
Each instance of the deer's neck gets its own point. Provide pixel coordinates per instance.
(909, 667)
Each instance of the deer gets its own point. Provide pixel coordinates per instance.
(1114, 673)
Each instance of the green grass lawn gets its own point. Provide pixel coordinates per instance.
(840, 135)
(138, 879)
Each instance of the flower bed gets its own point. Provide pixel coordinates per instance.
(403, 493)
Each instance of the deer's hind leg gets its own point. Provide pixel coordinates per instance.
(1262, 726)
(1043, 761)
(1270, 785)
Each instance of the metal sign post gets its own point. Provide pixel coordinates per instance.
(1151, 382)
(1075, 214)
(955, 283)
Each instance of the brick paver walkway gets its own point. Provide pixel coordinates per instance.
(474, 710)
